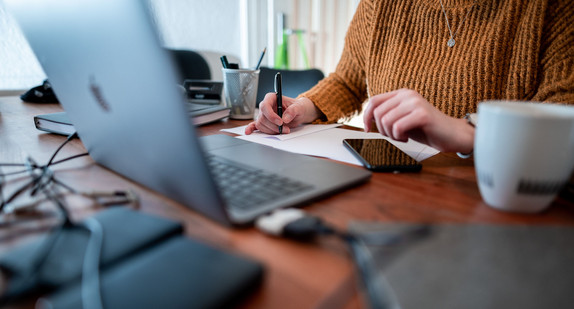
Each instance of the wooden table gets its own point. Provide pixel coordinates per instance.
(313, 275)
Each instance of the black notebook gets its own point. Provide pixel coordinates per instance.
(59, 123)
(476, 266)
(145, 263)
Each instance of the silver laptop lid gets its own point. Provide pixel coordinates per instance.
(118, 86)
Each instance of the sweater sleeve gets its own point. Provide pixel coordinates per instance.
(556, 75)
(341, 94)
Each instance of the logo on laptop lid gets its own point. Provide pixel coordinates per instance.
(98, 95)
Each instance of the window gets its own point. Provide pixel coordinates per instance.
(240, 28)
(19, 68)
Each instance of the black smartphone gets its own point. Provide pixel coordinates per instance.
(379, 155)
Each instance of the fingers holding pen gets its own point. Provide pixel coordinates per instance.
(269, 127)
(251, 127)
(268, 110)
(295, 113)
(267, 121)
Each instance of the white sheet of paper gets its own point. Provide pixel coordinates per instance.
(296, 132)
(327, 141)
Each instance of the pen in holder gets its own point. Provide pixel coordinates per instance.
(240, 87)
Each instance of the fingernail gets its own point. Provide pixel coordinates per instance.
(287, 118)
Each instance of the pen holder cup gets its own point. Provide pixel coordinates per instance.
(240, 87)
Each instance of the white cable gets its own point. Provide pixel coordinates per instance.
(91, 296)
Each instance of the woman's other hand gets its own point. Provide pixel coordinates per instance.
(404, 114)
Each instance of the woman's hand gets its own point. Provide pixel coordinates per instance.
(295, 113)
(404, 114)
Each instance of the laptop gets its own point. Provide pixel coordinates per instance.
(116, 83)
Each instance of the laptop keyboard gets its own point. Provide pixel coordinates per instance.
(245, 187)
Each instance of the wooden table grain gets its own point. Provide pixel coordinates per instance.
(298, 275)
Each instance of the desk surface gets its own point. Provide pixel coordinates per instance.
(301, 275)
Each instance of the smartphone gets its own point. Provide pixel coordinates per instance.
(379, 155)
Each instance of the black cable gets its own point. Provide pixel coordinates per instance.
(295, 224)
(63, 185)
(30, 279)
(44, 179)
(15, 173)
(45, 168)
(54, 198)
(379, 295)
(68, 139)
(70, 158)
(90, 286)
(33, 182)
(50, 161)
(30, 168)
(12, 164)
(42, 166)
(17, 193)
(1, 191)
(44, 182)
(47, 246)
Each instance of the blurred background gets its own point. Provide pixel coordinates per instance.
(298, 34)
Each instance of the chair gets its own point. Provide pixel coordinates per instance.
(294, 82)
(190, 64)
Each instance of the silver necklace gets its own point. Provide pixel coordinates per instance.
(451, 41)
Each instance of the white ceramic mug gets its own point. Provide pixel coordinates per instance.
(523, 153)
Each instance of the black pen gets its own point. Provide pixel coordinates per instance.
(279, 94)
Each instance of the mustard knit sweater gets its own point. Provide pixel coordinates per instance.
(506, 49)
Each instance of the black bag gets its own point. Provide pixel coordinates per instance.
(40, 94)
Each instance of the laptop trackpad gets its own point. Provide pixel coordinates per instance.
(255, 155)
(311, 170)
(219, 141)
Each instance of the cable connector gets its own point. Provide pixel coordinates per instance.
(275, 222)
(292, 223)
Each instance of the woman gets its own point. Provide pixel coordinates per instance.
(424, 64)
